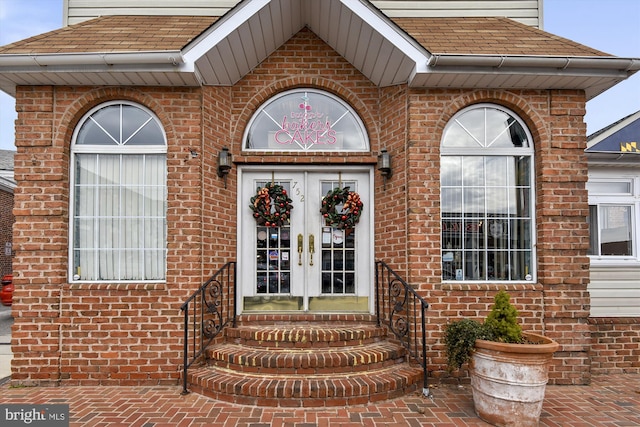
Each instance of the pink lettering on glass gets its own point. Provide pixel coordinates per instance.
(305, 128)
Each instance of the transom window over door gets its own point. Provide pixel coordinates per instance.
(118, 208)
(487, 197)
(306, 120)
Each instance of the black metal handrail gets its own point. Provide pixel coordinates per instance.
(208, 311)
(399, 307)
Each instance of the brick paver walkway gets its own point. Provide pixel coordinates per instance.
(608, 401)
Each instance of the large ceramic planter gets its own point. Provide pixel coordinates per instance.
(508, 380)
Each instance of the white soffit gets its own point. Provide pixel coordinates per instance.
(248, 34)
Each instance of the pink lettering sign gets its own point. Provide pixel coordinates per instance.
(305, 128)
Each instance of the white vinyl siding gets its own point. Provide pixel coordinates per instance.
(615, 278)
(526, 11)
(615, 291)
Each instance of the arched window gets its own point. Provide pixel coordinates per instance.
(118, 209)
(306, 120)
(487, 207)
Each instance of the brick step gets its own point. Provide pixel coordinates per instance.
(311, 361)
(305, 390)
(305, 335)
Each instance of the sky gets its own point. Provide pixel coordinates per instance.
(611, 26)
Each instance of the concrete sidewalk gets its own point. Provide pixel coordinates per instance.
(609, 401)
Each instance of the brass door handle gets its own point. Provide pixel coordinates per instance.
(312, 248)
(300, 248)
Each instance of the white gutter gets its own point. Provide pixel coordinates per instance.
(562, 63)
(169, 57)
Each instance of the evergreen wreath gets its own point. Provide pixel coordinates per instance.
(341, 208)
(271, 206)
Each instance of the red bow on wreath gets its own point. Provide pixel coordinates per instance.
(271, 206)
(341, 208)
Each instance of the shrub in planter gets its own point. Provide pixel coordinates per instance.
(508, 368)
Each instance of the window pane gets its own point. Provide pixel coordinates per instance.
(473, 171)
(451, 204)
(474, 201)
(615, 230)
(498, 170)
(610, 187)
(458, 136)
(469, 130)
(503, 131)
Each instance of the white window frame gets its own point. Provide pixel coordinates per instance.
(632, 199)
(120, 148)
(484, 152)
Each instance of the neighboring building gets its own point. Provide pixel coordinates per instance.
(613, 154)
(7, 185)
(124, 120)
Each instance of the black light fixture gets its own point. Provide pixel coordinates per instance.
(224, 164)
(384, 165)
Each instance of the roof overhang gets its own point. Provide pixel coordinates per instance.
(594, 75)
(241, 39)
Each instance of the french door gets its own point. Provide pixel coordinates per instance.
(305, 265)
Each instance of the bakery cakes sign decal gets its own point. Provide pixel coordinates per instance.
(306, 128)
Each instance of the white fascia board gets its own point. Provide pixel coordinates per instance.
(387, 29)
(221, 29)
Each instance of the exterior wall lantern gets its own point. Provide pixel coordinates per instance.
(224, 164)
(384, 165)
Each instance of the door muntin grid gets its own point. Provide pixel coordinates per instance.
(273, 255)
(338, 266)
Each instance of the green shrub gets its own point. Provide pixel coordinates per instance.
(500, 325)
(502, 322)
(459, 338)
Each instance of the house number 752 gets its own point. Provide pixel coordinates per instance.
(298, 192)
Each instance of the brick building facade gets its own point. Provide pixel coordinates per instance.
(72, 330)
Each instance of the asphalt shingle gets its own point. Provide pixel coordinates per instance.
(126, 33)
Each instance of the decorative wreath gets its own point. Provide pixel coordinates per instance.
(271, 206)
(341, 208)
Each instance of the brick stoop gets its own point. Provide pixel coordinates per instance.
(305, 363)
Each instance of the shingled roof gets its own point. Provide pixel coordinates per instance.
(489, 36)
(125, 33)
(122, 33)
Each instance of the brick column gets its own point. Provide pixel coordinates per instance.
(40, 238)
(563, 236)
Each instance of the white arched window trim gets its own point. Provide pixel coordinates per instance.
(487, 197)
(305, 119)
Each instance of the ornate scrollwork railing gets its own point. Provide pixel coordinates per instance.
(403, 311)
(206, 313)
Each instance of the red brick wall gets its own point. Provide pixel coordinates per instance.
(615, 346)
(558, 305)
(98, 333)
(131, 334)
(6, 233)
